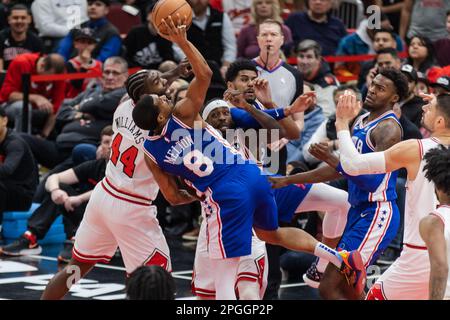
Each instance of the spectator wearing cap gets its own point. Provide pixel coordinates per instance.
(17, 38)
(108, 38)
(145, 48)
(84, 43)
(45, 97)
(442, 46)
(442, 85)
(18, 171)
(317, 72)
(317, 24)
(412, 106)
(54, 19)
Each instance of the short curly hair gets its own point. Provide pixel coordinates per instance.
(399, 79)
(436, 168)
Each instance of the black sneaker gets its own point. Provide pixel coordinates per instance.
(312, 277)
(21, 247)
(65, 254)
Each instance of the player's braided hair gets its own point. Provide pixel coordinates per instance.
(135, 84)
(436, 168)
(150, 283)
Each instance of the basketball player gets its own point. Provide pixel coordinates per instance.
(435, 228)
(252, 271)
(242, 77)
(373, 219)
(238, 196)
(408, 276)
(120, 212)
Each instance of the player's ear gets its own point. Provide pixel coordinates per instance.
(395, 99)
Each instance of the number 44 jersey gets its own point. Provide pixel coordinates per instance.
(199, 155)
(127, 175)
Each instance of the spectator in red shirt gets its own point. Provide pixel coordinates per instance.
(84, 43)
(45, 97)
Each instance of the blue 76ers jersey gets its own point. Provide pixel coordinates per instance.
(371, 188)
(200, 156)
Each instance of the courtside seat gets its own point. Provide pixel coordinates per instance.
(15, 224)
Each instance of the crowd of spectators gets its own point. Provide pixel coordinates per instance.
(68, 117)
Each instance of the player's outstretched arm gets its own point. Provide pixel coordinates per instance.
(263, 119)
(432, 232)
(168, 186)
(401, 155)
(187, 110)
(322, 174)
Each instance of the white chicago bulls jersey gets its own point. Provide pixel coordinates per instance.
(127, 175)
(443, 212)
(420, 198)
(239, 12)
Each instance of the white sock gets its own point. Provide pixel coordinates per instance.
(324, 252)
(321, 265)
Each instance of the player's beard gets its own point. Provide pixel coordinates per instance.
(423, 124)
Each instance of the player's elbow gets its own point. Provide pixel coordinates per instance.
(350, 167)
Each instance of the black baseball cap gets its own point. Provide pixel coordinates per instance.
(84, 33)
(409, 71)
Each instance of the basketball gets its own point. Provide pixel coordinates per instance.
(165, 8)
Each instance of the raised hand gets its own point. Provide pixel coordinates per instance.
(322, 152)
(175, 33)
(237, 99)
(262, 91)
(303, 102)
(348, 107)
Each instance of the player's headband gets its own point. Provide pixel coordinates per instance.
(212, 106)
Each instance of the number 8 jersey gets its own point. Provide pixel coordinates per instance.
(200, 156)
(127, 175)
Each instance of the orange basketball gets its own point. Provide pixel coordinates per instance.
(165, 8)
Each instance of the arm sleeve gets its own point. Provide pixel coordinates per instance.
(244, 120)
(12, 82)
(14, 153)
(354, 163)
(367, 182)
(110, 48)
(228, 40)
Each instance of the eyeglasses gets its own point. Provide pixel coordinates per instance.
(113, 72)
